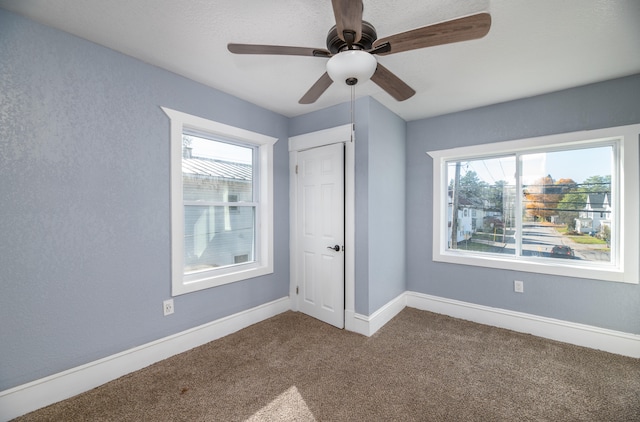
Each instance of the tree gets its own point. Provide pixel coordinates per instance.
(574, 199)
(496, 195)
(597, 184)
(540, 198)
(543, 197)
(472, 188)
(570, 206)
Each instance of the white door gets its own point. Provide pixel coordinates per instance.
(320, 233)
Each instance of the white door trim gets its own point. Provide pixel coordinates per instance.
(338, 134)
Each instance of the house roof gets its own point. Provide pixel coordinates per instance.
(464, 201)
(597, 200)
(216, 168)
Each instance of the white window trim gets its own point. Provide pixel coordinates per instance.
(181, 284)
(626, 267)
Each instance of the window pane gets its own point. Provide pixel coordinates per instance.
(567, 204)
(216, 233)
(216, 171)
(482, 192)
(218, 236)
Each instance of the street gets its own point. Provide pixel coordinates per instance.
(538, 240)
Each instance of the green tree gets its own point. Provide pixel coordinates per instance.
(569, 207)
(596, 184)
(575, 198)
(496, 194)
(472, 188)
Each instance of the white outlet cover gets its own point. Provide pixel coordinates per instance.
(518, 286)
(167, 307)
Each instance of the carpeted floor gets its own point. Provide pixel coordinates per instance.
(419, 367)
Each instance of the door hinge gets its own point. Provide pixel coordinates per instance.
(296, 289)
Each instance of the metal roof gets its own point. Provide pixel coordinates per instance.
(216, 168)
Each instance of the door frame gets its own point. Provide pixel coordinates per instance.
(339, 134)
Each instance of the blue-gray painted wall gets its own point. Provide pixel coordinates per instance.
(386, 206)
(598, 303)
(84, 202)
(380, 267)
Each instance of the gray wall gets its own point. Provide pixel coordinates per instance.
(379, 196)
(386, 206)
(84, 214)
(599, 303)
(84, 217)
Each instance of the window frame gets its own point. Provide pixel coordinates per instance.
(624, 267)
(182, 283)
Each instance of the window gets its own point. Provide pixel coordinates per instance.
(221, 203)
(563, 204)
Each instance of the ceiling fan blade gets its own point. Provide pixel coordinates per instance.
(456, 30)
(316, 90)
(386, 80)
(348, 15)
(277, 50)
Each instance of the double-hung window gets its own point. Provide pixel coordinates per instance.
(563, 204)
(221, 203)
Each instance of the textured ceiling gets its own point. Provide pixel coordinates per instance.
(533, 47)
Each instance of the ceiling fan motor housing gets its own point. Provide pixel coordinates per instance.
(335, 44)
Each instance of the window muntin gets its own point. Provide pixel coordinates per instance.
(593, 193)
(222, 220)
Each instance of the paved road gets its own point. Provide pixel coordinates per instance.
(541, 239)
(538, 240)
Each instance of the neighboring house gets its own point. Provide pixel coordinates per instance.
(595, 215)
(217, 235)
(470, 218)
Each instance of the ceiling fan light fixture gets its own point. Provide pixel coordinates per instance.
(351, 67)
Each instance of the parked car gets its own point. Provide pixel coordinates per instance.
(562, 251)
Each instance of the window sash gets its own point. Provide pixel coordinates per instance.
(263, 202)
(477, 193)
(624, 184)
(227, 247)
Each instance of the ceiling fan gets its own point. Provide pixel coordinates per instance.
(352, 42)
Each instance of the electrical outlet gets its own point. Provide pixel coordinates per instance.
(518, 286)
(167, 306)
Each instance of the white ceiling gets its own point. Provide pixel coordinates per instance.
(533, 47)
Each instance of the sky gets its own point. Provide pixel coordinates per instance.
(208, 148)
(575, 164)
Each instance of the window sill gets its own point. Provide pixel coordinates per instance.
(531, 265)
(209, 279)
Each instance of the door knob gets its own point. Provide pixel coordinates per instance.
(335, 248)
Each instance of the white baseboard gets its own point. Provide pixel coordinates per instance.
(612, 341)
(34, 395)
(28, 397)
(568, 332)
(368, 325)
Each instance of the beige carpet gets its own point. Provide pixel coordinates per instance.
(419, 367)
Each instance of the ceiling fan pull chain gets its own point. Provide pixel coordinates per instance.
(353, 101)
